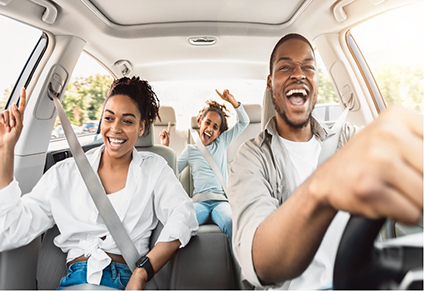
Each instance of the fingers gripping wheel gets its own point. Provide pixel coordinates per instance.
(360, 265)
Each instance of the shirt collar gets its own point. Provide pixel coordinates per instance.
(319, 130)
(94, 157)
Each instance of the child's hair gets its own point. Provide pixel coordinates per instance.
(141, 93)
(212, 105)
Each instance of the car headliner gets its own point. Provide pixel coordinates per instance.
(153, 35)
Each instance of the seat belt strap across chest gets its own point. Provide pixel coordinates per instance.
(209, 159)
(329, 146)
(97, 192)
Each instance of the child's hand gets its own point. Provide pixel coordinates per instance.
(164, 135)
(227, 96)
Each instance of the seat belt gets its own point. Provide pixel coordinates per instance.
(208, 157)
(329, 146)
(97, 192)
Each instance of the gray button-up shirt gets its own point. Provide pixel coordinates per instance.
(260, 181)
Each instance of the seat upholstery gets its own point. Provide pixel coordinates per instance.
(146, 143)
(178, 140)
(254, 112)
(268, 110)
(205, 263)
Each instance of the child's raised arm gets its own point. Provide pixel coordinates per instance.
(227, 96)
(165, 135)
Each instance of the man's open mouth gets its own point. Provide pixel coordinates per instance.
(297, 96)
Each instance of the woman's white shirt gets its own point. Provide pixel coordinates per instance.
(152, 193)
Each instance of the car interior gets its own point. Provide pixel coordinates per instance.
(186, 49)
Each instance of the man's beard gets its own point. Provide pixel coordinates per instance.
(286, 119)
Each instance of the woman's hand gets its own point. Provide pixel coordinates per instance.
(11, 123)
(10, 130)
(165, 135)
(227, 96)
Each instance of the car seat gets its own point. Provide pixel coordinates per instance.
(254, 112)
(178, 140)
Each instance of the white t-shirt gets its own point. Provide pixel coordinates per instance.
(304, 158)
(319, 274)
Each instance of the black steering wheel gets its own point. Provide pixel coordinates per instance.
(360, 265)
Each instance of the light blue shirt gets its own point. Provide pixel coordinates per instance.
(203, 176)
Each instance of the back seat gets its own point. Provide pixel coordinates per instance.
(254, 112)
(178, 140)
(147, 143)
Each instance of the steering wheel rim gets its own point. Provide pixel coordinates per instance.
(355, 253)
(360, 265)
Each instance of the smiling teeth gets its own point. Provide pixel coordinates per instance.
(208, 134)
(116, 140)
(296, 91)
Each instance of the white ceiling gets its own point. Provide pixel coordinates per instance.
(153, 34)
(139, 12)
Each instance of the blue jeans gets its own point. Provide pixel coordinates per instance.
(219, 212)
(115, 275)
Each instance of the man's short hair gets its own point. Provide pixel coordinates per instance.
(284, 39)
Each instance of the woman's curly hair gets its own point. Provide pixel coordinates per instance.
(141, 93)
(212, 105)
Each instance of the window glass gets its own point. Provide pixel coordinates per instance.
(327, 110)
(14, 53)
(393, 46)
(174, 93)
(246, 91)
(83, 99)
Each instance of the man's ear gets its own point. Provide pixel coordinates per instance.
(142, 128)
(269, 83)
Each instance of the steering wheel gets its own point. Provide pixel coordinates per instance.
(361, 265)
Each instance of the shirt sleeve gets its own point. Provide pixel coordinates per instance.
(183, 160)
(22, 219)
(243, 121)
(250, 202)
(174, 209)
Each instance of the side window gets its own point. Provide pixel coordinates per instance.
(83, 100)
(327, 110)
(18, 42)
(392, 45)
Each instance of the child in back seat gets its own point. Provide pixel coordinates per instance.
(216, 137)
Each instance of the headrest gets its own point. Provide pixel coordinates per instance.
(268, 110)
(147, 139)
(194, 124)
(254, 111)
(167, 114)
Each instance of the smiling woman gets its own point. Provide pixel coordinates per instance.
(129, 107)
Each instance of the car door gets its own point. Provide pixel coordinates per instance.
(51, 57)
